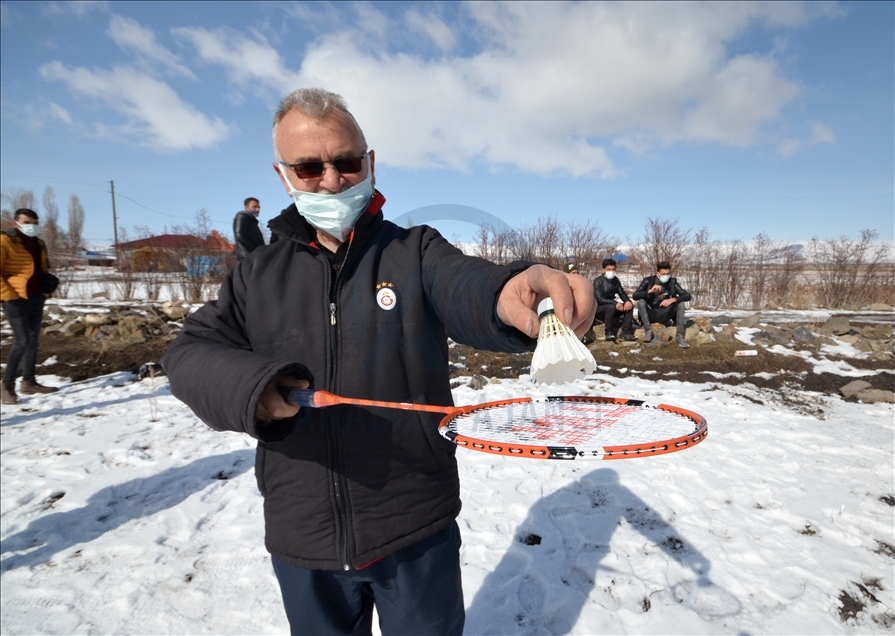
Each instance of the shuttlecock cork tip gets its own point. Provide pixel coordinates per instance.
(545, 307)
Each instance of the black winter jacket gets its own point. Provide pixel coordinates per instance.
(246, 233)
(605, 290)
(344, 486)
(671, 289)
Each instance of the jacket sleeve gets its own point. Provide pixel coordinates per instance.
(7, 291)
(463, 292)
(213, 371)
(600, 291)
(246, 232)
(681, 295)
(643, 291)
(621, 293)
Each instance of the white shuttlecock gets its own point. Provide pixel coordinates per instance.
(560, 356)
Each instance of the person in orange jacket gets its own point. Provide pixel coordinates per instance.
(25, 284)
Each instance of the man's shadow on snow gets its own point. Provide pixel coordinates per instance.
(543, 581)
(114, 506)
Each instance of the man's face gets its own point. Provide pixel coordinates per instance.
(253, 207)
(301, 138)
(24, 219)
(609, 268)
(663, 272)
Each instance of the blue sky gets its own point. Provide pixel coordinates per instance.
(743, 118)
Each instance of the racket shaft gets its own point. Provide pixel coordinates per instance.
(321, 399)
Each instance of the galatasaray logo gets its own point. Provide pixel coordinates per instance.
(385, 297)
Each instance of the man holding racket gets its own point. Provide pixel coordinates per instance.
(359, 503)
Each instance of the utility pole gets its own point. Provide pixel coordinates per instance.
(115, 225)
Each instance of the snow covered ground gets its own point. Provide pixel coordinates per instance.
(121, 513)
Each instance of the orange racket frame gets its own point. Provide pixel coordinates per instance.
(322, 399)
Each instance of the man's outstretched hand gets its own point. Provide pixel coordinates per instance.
(572, 294)
(272, 405)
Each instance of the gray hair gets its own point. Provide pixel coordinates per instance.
(317, 103)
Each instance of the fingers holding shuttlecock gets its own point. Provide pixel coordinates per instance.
(560, 356)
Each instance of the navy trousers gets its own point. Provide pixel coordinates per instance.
(416, 591)
(24, 316)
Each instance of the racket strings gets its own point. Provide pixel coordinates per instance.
(582, 425)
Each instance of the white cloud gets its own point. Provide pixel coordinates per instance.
(248, 61)
(76, 8)
(551, 86)
(432, 27)
(154, 113)
(820, 134)
(58, 112)
(35, 115)
(131, 35)
(8, 16)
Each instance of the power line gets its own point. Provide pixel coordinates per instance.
(173, 216)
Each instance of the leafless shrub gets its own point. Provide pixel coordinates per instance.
(547, 241)
(851, 273)
(698, 268)
(588, 244)
(204, 268)
(782, 271)
(662, 240)
(66, 277)
(715, 273)
(494, 245)
(12, 199)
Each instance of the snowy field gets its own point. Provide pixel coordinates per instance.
(121, 513)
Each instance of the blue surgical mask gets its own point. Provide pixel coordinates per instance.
(334, 214)
(664, 279)
(28, 229)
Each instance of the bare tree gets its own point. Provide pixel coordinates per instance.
(784, 276)
(852, 273)
(15, 199)
(588, 244)
(762, 247)
(204, 266)
(662, 240)
(52, 235)
(699, 264)
(75, 223)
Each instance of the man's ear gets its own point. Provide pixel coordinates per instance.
(278, 169)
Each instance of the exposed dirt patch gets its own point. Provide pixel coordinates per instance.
(851, 606)
(80, 358)
(716, 362)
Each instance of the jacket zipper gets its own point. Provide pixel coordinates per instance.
(338, 487)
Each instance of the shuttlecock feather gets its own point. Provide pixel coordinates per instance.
(560, 356)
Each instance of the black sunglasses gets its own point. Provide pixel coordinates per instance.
(314, 169)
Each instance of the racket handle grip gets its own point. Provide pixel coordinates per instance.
(299, 397)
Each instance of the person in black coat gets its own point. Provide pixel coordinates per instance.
(659, 299)
(245, 228)
(614, 307)
(360, 504)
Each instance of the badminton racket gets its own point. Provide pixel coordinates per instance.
(574, 427)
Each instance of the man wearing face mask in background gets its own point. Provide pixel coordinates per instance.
(659, 298)
(246, 232)
(613, 304)
(25, 283)
(359, 503)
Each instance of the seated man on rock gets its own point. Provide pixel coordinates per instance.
(613, 305)
(659, 298)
